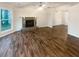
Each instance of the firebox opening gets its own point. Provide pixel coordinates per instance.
(29, 23)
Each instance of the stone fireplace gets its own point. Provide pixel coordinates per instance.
(28, 23)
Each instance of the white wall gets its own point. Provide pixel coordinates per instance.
(61, 15)
(73, 21)
(51, 16)
(58, 17)
(40, 14)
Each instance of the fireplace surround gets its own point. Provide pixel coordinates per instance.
(28, 23)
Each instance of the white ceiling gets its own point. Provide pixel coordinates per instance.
(48, 4)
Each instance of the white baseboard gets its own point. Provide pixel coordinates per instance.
(73, 35)
(7, 33)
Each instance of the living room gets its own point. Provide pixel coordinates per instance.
(44, 16)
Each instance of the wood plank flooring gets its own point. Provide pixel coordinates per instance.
(42, 42)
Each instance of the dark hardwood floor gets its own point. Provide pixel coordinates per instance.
(41, 42)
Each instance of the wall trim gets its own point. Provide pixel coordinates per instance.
(73, 35)
(2, 35)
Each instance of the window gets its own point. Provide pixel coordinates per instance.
(5, 19)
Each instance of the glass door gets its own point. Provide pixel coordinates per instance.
(5, 19)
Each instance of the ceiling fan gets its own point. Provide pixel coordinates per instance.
(42, 4)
